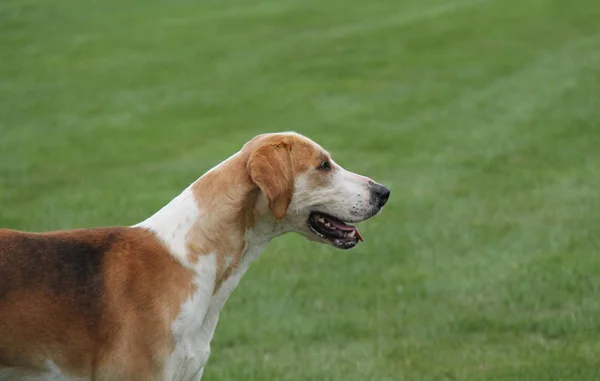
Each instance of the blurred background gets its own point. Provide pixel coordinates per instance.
(482, 116)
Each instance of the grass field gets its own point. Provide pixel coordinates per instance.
(482, 116)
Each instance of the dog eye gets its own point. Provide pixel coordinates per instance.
(324, 166)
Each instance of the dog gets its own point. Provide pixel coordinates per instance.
(142, 302)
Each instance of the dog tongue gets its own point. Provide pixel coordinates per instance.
(347, 228)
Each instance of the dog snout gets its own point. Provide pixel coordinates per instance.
(381, 194)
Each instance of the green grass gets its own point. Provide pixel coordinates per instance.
(483, 117)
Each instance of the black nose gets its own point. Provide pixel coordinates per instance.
(382, 194)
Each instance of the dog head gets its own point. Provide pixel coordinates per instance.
(307, 192)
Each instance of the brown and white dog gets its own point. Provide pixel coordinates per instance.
(142, 302)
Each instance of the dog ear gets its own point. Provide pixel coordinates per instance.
(270, 167)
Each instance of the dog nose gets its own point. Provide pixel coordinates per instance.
(382, 193)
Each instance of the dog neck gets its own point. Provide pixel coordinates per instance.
(222, 214)
(216, 227)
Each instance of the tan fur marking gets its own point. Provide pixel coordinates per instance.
(226, 200)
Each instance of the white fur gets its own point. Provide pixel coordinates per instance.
(188, 355)
(173, 222)
(193, 349)
(194, 328)
(346, 197)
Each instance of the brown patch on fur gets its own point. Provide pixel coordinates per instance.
(96, 302)
(227, 195)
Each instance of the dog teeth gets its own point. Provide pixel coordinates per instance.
(321, 220)
(352, 234)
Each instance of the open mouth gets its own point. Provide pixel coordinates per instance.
(340, 234)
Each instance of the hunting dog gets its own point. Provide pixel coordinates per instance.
(142, 302)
